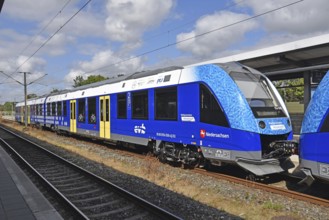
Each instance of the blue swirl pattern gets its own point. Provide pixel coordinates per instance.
(236, 107)
(317, 107)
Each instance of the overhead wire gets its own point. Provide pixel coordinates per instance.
(10, 75)
(196, 36)
(45, 27)
(44, 43)
(169, 44)
(35, 36)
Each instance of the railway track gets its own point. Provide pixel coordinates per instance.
(86, 195)
(265, 187)
(257, 185)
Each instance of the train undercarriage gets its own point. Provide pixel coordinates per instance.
(173, 153)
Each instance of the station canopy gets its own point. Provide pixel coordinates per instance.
(286, 61)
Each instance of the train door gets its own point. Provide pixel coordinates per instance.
(104, 117)
(73, 120)
(28, 114)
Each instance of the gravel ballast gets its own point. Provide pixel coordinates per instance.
(176, 191)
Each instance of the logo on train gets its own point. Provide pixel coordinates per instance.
(202, 133)
(140, 129)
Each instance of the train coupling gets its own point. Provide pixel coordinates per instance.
(282, 148)
(308, 179)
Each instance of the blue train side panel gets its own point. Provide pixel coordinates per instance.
(212, 118)
(314, 148)
(317, 108)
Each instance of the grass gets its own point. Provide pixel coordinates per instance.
(273, 206)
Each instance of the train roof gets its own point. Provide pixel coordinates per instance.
(135, 75)
(137, 80)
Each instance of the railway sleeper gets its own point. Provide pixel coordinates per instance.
(94, 198)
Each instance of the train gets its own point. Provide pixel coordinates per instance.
(314, 150)
(213, 114)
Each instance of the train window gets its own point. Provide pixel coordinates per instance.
(81, 110)
(59, 108)
(53, 108)
(140, 105)
(122, 106)
(102, 114)
(92, 110)
(40, 109)
(260, 97)
(48, 109)
(325, 125)
(107, 109)
(166, 104)
(210, 111)
(64, 109)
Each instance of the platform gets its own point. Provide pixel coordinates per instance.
(19, 197)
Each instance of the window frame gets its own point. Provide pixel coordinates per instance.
(92, 106)
(144, 105)
(213, 114)
(65, 108)
(163, 94)
(122, 100)
(82, 110)
(48, 109)
(59, 108)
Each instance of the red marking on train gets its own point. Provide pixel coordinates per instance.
(202, 133)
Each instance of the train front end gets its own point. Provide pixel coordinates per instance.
(314, 148)
(260, 136)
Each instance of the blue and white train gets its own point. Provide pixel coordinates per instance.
(215, 113)
(314, 148)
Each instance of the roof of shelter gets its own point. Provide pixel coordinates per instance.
(286, 57)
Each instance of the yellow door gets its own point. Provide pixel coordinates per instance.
(73, 120)
(104, 117)
(28, 114)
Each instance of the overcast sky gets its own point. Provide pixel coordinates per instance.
(111, 37)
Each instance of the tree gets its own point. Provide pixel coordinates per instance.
(8, 106)
(291, 90)
(31, 96)
(80, 81)
(54, 91)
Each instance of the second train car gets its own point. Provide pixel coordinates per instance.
(314, 148)
(215, 113)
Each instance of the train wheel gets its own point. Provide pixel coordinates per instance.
(252, 177)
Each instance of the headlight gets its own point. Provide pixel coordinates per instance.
(262, 124)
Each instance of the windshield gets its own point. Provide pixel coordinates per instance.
(259, 95)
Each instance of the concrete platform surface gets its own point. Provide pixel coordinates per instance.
(19, 197)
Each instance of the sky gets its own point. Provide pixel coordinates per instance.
(56, 41)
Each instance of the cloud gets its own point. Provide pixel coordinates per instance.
(101, 63)
(26, 10)
(299, 19)
(129, 19)
(35, 67)
(217, 41)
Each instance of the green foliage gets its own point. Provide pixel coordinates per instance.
(80, 81)
(31, 96)
(54, 91)
(274, 206)
(8, 106)
(291, 90)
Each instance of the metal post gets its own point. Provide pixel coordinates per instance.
(25, 100)
(307, 88)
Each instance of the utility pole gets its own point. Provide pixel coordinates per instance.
(25, 98)
(25, 84)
